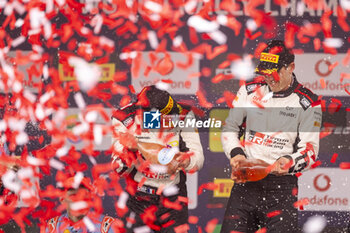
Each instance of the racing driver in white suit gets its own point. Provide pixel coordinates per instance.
(281, 121)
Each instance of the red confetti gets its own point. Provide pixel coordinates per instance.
(316, 164)
(165, 65)
(344, 165)
(334, 158)
(273, 213)
(209, 186)
(193, 219)
(301, 202)
(211, 225)
(262, 230)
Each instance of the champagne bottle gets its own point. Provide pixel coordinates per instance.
(251, 170)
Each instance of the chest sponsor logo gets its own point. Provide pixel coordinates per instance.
(267, 140)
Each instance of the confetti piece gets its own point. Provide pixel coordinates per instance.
(89, 224)
(315, 224)
(165, 65)
(273, 213)
(344, 165)
(301, 202)
(209, 186)
(211, 225)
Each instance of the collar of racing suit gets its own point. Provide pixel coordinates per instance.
(287, 92)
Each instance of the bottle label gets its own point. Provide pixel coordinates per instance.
(165, 155)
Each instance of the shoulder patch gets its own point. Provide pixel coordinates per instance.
(52, 224)
(306, 96)
(252, 85)
(106, 224)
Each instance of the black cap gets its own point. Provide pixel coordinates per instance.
(274, 57)
(152, 97)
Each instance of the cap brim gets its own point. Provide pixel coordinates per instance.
(266, 68)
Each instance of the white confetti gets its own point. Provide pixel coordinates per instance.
(81, 128)
(62, 151)
(19, 23)
(202, 25)
(91, 116)
(222, 19)
(3, 125)
(79, 100)
(17, 86)
(22, 138)
(10, 181)
(24, 173)
(56, 164)
(130, 55)
(98, 136)
(49, 6)
(78, 205)
(97, 22)
(36, 17)
(345, 4)
(130, 220)
(106, 41)
(300, 8)
(19, 7)
(35, 161)
(45, 72)
(153, 40)
(87, 74)
(77, 180)
(92, 160)
(129, 3)
(59, 116)
(46, 96)
(153, 6)
(19, 40)
(243, 68)
(251, 25)
(333, 42)
(60, 2)
(124, 196)
(315, 224)
(163, 86)
(8, 9)
(171, 190)
(142, 229)
(190, 6)
(89, 224)
(218, 36)
(16, 125)
(177, 41)
(39, 112)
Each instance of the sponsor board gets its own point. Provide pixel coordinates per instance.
(66, 73)
(28, 69)
(311, 67)
(192, 188)
(183, 81)
(327, 189)
(224, 189)
(73, 119)
(215, 144)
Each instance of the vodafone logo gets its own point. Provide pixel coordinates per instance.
(320, 64)
(320, 185)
